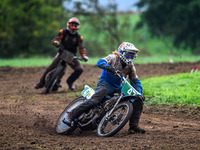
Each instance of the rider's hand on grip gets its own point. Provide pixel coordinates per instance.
(111, 69)
(56, 43)
(61, 48)
(85, 58)
(141, 97)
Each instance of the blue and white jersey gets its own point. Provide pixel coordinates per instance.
(114, 61)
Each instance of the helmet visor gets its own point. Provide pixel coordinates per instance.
(130, 55)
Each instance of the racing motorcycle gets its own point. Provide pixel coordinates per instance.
(108, 118)
(52, 79)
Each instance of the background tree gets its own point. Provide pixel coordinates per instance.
(27, 27)
(177, 19)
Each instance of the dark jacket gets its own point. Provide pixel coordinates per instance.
(70, 41)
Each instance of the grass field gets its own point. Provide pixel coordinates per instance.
(30, 62)
(181, 89)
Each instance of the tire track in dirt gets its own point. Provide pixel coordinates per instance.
(28, 118)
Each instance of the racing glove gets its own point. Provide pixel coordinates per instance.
(141, 97)
(85, 58)
(56, 43)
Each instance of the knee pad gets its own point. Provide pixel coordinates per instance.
(79, 70)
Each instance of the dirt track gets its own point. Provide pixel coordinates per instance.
(28, 118)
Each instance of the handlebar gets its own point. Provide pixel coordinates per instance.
(79, 58)
(63, 49)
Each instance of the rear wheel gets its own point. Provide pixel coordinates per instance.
(110, 125)
(63, 128)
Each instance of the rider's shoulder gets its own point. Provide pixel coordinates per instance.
(112, 56)
(80, 36)
(63, 31)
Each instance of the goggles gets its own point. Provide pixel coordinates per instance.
(74, 26)
(130, 55)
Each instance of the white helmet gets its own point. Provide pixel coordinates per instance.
(127, 52)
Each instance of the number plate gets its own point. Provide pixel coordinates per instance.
(127, 90)
(87, 92)
(67, 56)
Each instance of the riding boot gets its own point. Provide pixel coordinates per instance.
(134, 120)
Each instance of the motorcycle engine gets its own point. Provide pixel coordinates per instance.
(86, 119)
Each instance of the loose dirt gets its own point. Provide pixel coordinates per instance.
(28, 117)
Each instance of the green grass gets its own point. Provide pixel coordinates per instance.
(181, 89)
(30, 62)
(25, 62)
(164, 58)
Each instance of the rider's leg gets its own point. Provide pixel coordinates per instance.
(103, 89)
(78, 70)
(52, 66)
(57, 85)
(134, 120)
(87, 105)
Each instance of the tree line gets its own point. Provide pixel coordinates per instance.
(27, 27)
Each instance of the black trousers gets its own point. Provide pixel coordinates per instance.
(75, 65)
(99, 94)
(137, 110)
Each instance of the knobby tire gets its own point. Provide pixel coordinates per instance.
(104, 122)
(53, 80)
(61, 127)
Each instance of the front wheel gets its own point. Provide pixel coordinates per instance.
(63, 128)
(53, 79)
(110, 125)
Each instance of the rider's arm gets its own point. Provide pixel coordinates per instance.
(56, 40)
(82, 49)
(135, 81)
(102, 64)
(137, 85)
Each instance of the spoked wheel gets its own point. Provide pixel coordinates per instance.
(53, 80)
(63, 128)
(110, 125)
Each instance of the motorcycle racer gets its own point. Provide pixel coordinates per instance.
(110, 84)
(70, 40)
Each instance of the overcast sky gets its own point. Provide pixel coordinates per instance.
(123, 5)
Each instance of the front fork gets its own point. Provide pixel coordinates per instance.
(117, 102)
